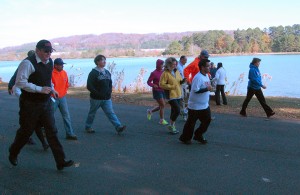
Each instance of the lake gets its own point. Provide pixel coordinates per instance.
(281, 71)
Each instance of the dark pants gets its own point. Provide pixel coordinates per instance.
(32, 115)
(220, 88)
(260, 96)
(204, 116)
(175, 109)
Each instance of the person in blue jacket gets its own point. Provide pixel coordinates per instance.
(254, 88)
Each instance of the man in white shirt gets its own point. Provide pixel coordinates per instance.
(34, 79)
(198, 106)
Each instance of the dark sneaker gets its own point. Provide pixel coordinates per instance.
(243, 113)
(65, 164)
(271, 114)
(201, 140)
(71, 137)
(12, 159)
(45, 146)
(89, 130)
(187, 142)
(30, 141)
(120, 129)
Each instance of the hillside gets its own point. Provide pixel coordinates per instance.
(87, 44)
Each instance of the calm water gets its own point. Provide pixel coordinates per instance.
(283, 69)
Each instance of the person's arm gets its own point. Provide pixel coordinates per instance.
(12, 80)
(187, 71)
(150, 80)
(197, 86)
(217, 76)
(163, 82)
(90, 83)
(24, 71)
(202, 90)
(255, 78)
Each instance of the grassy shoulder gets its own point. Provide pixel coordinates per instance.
(285, 108)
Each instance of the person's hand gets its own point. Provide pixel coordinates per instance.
(264, 87)
(55, 93)
(46, 90)
(10, 91)
(155, 86)
(183, 81)
(209, 87)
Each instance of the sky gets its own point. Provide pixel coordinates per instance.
(25, 21)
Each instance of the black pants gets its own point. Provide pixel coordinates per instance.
(33, 114)
(220, 88)
(175, 109)
(260, 96)
(204, 116)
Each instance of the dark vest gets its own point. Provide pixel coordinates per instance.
(41, 77)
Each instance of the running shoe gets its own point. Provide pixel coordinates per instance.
(163, 122)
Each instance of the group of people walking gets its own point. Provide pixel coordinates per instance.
(43, 87)
(200, 75)
(44, 84)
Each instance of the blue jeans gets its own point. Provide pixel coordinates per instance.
(107, 108)
(61, 103)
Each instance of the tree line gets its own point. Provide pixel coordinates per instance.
(272, 39)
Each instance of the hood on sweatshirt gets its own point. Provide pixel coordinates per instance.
(159, 64)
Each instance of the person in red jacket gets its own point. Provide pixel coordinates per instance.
(61, 85)
(192, 69)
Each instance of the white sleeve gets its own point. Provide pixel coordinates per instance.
(24, 71)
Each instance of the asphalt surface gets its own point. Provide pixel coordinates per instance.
(243, 156)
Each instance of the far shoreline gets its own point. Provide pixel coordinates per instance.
(165, 56)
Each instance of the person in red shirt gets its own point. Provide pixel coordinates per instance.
(61, 85)
(192, 69)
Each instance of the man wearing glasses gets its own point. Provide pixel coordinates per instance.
(34, 79)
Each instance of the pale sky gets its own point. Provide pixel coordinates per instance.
(24, 21)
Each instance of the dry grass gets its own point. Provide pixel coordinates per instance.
(285, 108)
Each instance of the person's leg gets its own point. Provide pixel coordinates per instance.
(48, 122)
(217, 94)
(40, 135)
(188, 129)
(175, 110)
(94, 106)
(28, 118)
(224, 99)
(161, 104)
(107, 108)
(205, 117)
(261, 98)
(155, 109)
(156, 95)
(250, 93)
(64, 110)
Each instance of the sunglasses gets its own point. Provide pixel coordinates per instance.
(48, 50)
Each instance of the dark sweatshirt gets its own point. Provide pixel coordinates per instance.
(99, 84)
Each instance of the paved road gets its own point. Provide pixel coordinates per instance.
(243, 156)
